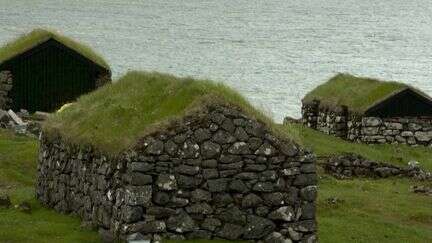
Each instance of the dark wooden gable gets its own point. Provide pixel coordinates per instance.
(50, 75)
(406, 103)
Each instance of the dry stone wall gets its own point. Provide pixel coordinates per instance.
(216, 175)
(6, 80)
(339, 123)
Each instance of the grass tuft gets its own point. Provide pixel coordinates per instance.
(39, 36)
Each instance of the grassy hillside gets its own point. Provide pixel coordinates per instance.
(357, 93)
(38, 36)
(18, 157)
(112, 121)
(326, 145)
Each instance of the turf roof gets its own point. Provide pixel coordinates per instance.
(39, 36)
(357, 93)
(115, 116)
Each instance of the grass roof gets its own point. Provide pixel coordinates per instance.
(357, 93)
(115, 116)
(39, 36)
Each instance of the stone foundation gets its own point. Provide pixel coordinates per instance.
(338, 122)
(6, 80)
(216, 175)
(352, 165)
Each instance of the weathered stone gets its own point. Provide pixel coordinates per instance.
(276, 237)
(274, 199)
(140, 167)
(211, 163)
(211, 224)
(202, 134)
(266, 150)
(228, 125)
(228, 159)
(160, 212)
(223, 137)
(233, 215)
(171, 147)
(139, 179)
(251, 201)
(264, 187)
(371, 121)
(161, 198)
(308, 211)
(188, 170)
(305, 180)
(231, 232)
(199, 208)
(189, 150)
(238, 186)
(181, 223)
(138, 195)
(257, 227)
(210, 173)
(155, 147)
(217, 185)
(166, 182)
(285, 213)
(210, 150)
(423, 136)
(131, 213)
(309, 193)
(241, 134)
(152, 227)
(199, 195)
(239, 148)
(199, 234)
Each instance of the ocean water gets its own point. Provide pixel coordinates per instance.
(272, 51)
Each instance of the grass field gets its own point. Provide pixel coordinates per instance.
(367, 210)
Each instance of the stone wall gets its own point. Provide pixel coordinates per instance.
(412, 131)
(5, 86)
(338, 122)
(216, 175)
(353, 165)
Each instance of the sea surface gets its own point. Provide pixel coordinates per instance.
(272, 51)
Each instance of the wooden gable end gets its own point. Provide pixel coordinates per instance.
(406, 103)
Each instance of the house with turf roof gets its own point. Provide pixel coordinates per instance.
(43, 70)
(152, 156)
(369, 111)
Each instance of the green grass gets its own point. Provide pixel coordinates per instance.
(38, 36)
(373, 211)
(326, 145)
(115, 116)
(18, 157)
(357, 93)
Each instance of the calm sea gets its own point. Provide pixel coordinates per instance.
(273, 52)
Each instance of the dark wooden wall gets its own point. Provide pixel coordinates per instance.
(49, 76)
(407, 103)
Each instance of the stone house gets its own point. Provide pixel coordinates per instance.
(43, 70)
(369, 111)
(217, 170)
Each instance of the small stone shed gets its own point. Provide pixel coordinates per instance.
(43, 70)
(369, 111)
(212, 167)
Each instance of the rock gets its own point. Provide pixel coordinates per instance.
(257, 227)
(309, 193)
(138, 195)
(24, 207)
(5, 201)
(228, 125)
(371, 121)
(285, 213)
(17, 120)
(188, 170)
(161, 198)
(223, 137)
(210, 173)
(202, 135)
(218, 185)
(140, 166)
(199, 195)
(136, 237)
(239, 148)
(274, 199)
(139, 179)
(308, 211)
(199, 208)
(241, 134)
(231, 232)
(238, 186)
(153, 227)
(211, 224)
(233, 215)
(210, 150)
(131, 214)
(160, 212)
(155, 147)
(181, 223)
(251, 201)
(305, 180)
(171, 147)
(276, 237)
(263, 187)
(166, 182)
(423, 136)
(266, 150)
(199, 234)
